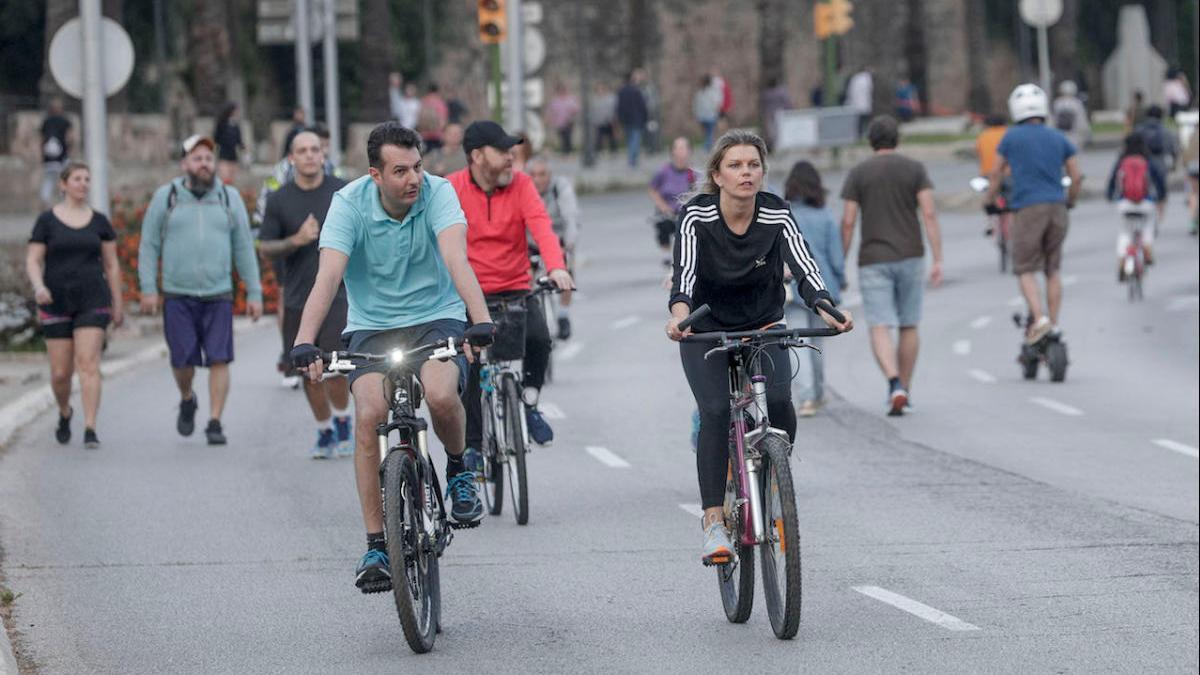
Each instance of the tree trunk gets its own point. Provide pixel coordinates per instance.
(58, 12)
(209, 50)
(915, 55)
(979, 98)
(1063, 38)
(772, 39)
(376, 58)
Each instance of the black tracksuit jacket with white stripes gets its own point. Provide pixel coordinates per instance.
(740, 277)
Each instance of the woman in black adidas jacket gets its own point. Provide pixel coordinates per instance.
(731, 246)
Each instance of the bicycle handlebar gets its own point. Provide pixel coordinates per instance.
(767, 334)
(342, 362)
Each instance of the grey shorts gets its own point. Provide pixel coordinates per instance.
(892, 292)
(409, 337)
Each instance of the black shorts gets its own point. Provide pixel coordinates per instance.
(664, 228)
(329, 337)
(57, 325)
(383, 341)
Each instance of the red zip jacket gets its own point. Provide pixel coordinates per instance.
(496, 223)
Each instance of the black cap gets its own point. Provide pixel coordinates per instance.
(487, 132)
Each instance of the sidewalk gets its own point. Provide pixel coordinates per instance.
(25, 377)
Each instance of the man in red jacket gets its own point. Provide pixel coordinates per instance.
(501, 205)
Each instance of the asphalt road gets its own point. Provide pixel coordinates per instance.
(1060, 542)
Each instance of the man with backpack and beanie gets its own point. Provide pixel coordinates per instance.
(1138, 187)
(199, 229)
(1037, 155)
(1161, 146)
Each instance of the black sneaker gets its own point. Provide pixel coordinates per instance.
(89, 439)
(373, 574)
(63, 433)
(564, 328)
(465, 508)
(185, 424)
(213, 433)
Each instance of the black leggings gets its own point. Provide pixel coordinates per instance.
(709, 381)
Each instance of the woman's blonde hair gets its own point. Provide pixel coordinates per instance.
(729, 139)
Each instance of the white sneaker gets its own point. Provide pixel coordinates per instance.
(1038, 330)
(290, 382)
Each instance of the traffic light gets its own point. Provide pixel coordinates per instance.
(832, 17)
(492, 24)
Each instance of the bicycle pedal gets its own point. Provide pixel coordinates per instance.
(376, 586)
(716, 561)
(455, 525)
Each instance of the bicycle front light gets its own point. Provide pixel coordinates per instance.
(396, 356)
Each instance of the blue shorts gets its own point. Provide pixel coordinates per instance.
(892, 292)
(199, 331)
(409, 337)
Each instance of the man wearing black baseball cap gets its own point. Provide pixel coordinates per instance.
(501, 206)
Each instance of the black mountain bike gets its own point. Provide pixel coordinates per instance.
(760, 497)
(414, 513)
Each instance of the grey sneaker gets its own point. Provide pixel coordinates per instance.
(718, 550)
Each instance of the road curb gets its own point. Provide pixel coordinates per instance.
(8, 660)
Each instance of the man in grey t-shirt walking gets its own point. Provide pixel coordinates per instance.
(888, 188)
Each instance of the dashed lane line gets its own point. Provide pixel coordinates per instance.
(607, 457)
(1057, 406)
(981, 323)
(568, 351)
(917, 609)
(1176, 446)
(981, 376)
(551, 411)
(962, 347)
(625, 322)
(1016, 301)
(693, 509)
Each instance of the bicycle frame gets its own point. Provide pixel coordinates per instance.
(749, 393)
(413, 435)
(490, 376)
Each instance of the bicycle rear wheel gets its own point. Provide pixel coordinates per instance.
(409, 505)
(736, 578)
(780, 551)
(491, 481)
(515, 430)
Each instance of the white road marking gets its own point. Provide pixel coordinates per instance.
(625, 322)
(569, 351)
(1070, 280)
(917, 609)
(1016, 301)
(1057, 406)
(1176, 446)
(981, 322)
(607, 457)
(551, 411)
(962, 347)
(981, 376)
(1183, 303)
(693, 509)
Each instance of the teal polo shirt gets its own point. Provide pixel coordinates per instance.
(395, 277)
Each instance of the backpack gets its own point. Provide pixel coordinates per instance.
(1064, 119)
(1133, 175)
(1156, 141)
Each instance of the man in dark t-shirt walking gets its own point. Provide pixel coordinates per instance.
(888, 189)
(290, 230)
(56, 149)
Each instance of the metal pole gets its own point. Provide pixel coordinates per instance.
(1043, 48)
(514, 64)
(333, 103)
(304, 83)
(497, 93)
(160, 53)
(94, 114)
(585, 88)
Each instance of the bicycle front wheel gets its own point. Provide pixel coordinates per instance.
(780, 548)
(514, 411)
(409, 505)
(491, 481)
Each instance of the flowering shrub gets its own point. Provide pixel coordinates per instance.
(127, 215)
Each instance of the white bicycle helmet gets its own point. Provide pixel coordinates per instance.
(1026, 101)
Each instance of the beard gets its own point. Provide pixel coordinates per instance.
(200, 181)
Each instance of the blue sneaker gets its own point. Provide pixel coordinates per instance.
(344, 430)
(326, 442)
(539, 429)
(465, 508)
(373, 574)
(473, 460)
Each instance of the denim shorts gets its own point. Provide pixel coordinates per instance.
(409, 337)
(892, 292)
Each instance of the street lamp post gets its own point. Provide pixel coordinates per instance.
(94, 113)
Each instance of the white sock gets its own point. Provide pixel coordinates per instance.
(530, 396)
(322, 425)
(341, 412)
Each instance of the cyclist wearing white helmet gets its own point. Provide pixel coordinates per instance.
(1037, 155)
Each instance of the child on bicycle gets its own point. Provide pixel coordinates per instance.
(1137, 186)
(731, 244)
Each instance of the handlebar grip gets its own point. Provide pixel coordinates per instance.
(829, 309)
(701, 312)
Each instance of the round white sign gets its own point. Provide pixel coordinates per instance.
(66, 56)
(534, 46)
(1041, 13)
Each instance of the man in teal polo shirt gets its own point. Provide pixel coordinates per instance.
(398, 238)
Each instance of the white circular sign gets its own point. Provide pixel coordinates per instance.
(535, 130)
(1041, 13)
(66, 56)
(534, 46)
